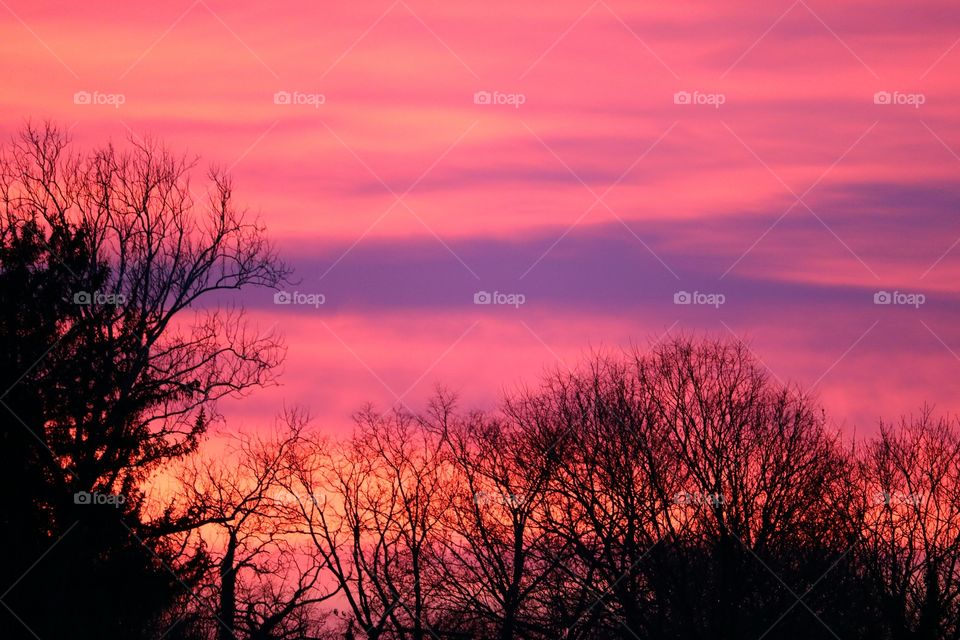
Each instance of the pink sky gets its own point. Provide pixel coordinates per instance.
(597, 198)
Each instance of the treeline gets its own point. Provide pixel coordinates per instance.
(671, 492)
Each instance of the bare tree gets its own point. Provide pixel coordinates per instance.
(911, 525)
(764, 491)
(375, 518)
(152, 254)
(686, 460)
(119, 344)
(607, 497)
(495, 559)
(235, 505)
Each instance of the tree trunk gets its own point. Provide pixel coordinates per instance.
(228, 591)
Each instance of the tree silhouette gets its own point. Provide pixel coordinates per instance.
(495, 558)
(688, 460)
(375, 517)
(115, 364)
(236, 508)
(911, 525)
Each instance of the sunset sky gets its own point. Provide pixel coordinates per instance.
(787, 161)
